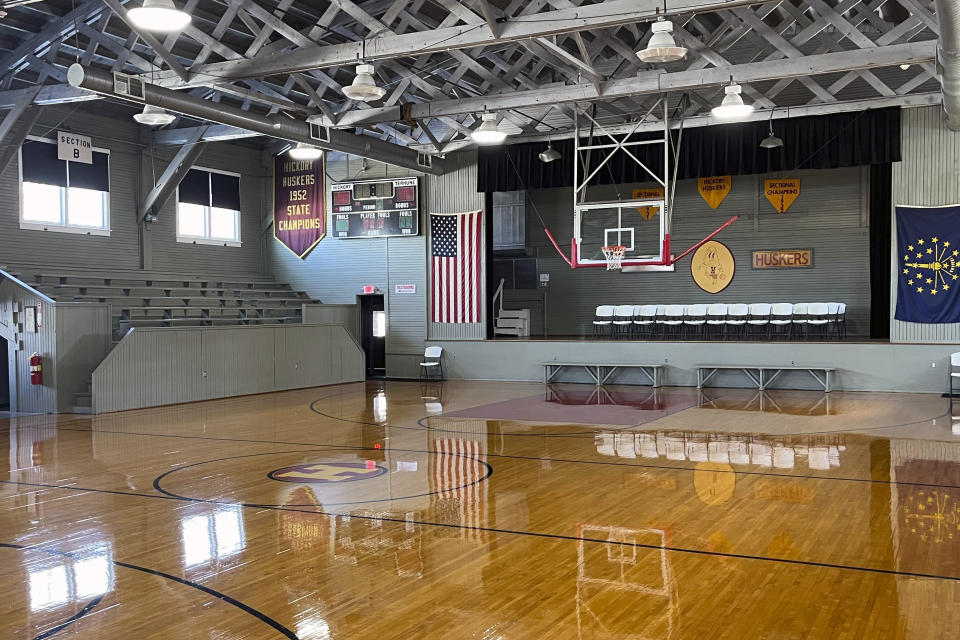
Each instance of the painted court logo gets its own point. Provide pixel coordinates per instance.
(327, 472)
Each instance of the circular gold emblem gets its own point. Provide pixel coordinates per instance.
(712, 266)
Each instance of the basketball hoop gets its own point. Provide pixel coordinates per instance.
(614, 256)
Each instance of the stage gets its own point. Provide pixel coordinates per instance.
(860, 366)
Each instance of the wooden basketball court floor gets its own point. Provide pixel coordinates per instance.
(400, 510)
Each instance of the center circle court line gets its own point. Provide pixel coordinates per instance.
(157, 482)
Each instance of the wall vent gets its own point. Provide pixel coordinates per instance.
(424, 160)
(318, 133)
(125, 85)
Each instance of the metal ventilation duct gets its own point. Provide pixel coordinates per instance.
(948, 57)
(102, 82)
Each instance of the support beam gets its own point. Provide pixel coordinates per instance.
(656, 82)
(149, 38)
(173, 175)
(15, 127)
(208, 133)
(612, 13)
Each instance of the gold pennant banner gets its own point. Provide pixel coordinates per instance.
(781, 192)
(714, 189)
(654, 193)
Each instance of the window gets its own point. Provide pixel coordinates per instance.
(208, 208)
(62, 195)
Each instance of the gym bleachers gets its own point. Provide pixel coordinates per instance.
(757, 321)
(171, 300)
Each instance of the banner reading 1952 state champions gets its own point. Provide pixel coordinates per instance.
(299, 216)
(928, 264)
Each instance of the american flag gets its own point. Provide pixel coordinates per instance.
(455, 248)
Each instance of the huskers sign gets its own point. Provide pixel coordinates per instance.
(299, 215)
(783, 259)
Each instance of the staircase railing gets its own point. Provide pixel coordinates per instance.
(498, 298)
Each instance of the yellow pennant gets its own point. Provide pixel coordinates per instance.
(714, 189)
(655, 193)
(781, 192)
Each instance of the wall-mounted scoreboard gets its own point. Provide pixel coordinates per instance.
(375, 208)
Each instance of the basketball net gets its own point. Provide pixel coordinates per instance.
(614, 256)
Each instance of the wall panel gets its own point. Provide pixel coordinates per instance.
(928, 175)
(828, 216)
(84, 333)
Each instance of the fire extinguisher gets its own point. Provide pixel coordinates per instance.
(36, 369)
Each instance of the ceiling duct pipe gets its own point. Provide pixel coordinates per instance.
(948, 57)
(102, 82)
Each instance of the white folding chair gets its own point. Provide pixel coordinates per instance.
(672, 319)
(661, 316)
(644, 317)
(432, 366)
(603, 323)
(818, 317)
(736, 321)
(800, 319)
(954, 373)
(622, 320)
(833, 324)
(759, 322)
(781, 318)
(842, 321)
(696, 318)
(716, 318)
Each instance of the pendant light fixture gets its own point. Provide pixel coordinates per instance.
(661, 47)
(159, 15)
(772, 141)
(154, 116)
(364, 88)
(487, 132)
(304, 151)
(732, 107)
(549, 154)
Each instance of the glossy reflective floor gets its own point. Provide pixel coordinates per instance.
(488, 511)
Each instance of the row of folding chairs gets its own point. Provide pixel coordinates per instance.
(740, 321)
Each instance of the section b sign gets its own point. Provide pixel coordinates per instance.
(74, 148)
(299, 216)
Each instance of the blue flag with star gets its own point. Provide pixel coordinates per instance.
(928, 264)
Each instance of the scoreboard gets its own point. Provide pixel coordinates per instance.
(375, 208)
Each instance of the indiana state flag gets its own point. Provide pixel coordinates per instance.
(928, 264)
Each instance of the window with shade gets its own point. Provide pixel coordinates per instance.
(208, 207)
(63, 195)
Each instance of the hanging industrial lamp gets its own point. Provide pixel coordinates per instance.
(549, 154)
(364, 88)
(154, 116)
(488, 132)
(772, 141)
(159, 15)
(732, 107)
(661, 47)
(303, 151)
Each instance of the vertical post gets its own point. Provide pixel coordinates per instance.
(667, 192)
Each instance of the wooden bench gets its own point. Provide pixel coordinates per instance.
(765, 374)
(602, 372)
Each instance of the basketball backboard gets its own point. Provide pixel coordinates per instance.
(637, 225)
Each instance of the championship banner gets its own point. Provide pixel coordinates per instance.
(781, 192)
(655, 193)
(714, 190)
(928, 248)
(299, 215)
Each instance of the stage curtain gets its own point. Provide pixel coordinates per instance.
(880, 214)
(813, 142)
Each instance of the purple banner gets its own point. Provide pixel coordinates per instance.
(299, 218)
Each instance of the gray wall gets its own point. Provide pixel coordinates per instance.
(25, 397)
(336, 270)
(829, 216)
(928, 175)
(84, 333)
(860, 366)
(153, 367)
(130, 178)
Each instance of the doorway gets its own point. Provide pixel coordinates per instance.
(9, 363)
(373, 334)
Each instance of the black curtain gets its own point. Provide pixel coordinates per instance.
(39, 163)
(92, 176)
(225, 191)
(880, 214)
(813, 142)
(195, 188)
